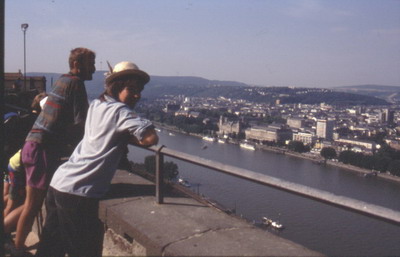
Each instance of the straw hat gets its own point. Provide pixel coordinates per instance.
(125, 70)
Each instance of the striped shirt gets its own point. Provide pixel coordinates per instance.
(66, 105)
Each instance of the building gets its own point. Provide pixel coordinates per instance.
(277, 133)
(365, 145)
(295, 122)
(389, 116)
(325, 129)
(305, 137)
(14, 82)
(374, 117)
(227, 127)
(19, 93)
(182, 113)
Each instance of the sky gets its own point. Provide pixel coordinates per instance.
(301, 43)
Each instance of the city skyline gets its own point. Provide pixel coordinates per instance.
(305, 43)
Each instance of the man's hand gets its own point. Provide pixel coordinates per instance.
(150, 138)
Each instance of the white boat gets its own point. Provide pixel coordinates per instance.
(276, 225)
(266, 221)
(171, 134)
(208, 138)
(184, 182)
(221, 141)
(273, 224)
(248, 146)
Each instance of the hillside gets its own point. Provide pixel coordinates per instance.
(160, 86)
(388, 93)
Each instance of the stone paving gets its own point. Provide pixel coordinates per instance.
(183, 226)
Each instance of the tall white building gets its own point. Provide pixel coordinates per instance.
(325, 129)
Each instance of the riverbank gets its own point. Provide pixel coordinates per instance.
(308, 156)
(322, 161)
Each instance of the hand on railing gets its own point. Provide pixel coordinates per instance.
(150, 138)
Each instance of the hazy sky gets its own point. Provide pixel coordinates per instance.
(307, 43)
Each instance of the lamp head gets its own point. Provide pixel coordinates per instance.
(24, 26)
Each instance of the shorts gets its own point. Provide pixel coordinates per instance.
(16, 177)
(17, 183)
(40, 164)
(17, 193)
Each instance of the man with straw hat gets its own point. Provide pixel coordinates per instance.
(72, 225)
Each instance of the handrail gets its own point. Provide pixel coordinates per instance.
(366, 209)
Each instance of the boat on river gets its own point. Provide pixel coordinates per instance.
(247, 146)
(266, 221)
(183, 182)
(208, 138)
(274, 224)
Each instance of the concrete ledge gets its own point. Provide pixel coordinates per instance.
(183, 226)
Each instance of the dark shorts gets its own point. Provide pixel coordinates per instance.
(16, 177)
(17, 183)
(17, 193)
(40, 164)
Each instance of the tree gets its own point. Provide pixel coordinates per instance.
(297, 146)
(346, 156)
(328, 153)
(394, 167)
(170, 168)
(381, 163)
(367, 162)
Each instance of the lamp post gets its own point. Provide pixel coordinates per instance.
(24, 28)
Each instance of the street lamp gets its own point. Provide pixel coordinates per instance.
(24, 28)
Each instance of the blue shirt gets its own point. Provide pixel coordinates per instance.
(89, 170)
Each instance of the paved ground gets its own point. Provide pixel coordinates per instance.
(183, 226)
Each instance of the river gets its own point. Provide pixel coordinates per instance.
(317, 226)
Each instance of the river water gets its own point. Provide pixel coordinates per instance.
(317, 226)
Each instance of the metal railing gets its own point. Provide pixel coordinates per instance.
(366, 209)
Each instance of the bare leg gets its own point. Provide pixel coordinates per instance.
(11, 220)
(11, 205)
(6, 187)
(8, 207)
(33, 203)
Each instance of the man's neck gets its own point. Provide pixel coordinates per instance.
(75, 73)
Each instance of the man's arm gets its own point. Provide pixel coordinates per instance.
(150, 137)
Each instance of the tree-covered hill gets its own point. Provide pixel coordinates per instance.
(160, 86)
(334, 98)
(388, 93)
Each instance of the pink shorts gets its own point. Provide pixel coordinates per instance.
(40, 164)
